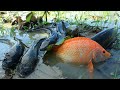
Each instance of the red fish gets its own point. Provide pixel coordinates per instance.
(81, 51)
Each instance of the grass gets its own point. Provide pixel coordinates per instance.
(115, 74)
(74, 16)
(93, 18)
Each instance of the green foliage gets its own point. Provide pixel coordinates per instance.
(115, 74)
(2, 31)
(73, 17)
(12, 32)
(60, 41)
(50, 47)
(45, 23)
(25, 28)
(29, 16)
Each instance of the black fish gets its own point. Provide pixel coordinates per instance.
(29, 60)
(62, 28)
(53, 37)
(106, 37)
(13, 56)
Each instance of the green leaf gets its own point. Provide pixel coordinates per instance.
(13, 28)
(28, 17)
(46, 23)
(25, 28)
(60, 41)
(12, 33)
(68, 37)
(106, 21)
(116, 21)
(49, 47)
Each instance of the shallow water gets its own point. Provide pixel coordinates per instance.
(4, 48)
(27, 38)
(71, 71)
(104, 70)
(54, 70)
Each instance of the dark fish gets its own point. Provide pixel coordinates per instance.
(106, 37)
(29, 60)
(53, 37)
(13, 56)
(62, 28)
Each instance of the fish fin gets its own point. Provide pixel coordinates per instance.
(90, 69)
(25, 45)
(16, 39)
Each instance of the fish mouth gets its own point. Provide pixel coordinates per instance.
(8, 64)
(108, 55)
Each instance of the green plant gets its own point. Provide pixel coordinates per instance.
(115, 74)
(12, 32)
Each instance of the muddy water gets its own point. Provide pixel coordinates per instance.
(55, 69)
(71, 71)
(4, 48)
(7, 41)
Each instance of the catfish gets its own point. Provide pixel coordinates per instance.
(106, 37)
(55, 36)
(29, 59)
(12, 57)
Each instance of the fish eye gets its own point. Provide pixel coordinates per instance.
(103, 51)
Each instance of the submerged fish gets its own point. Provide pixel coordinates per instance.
(81, 51)
(13, 55)
(106, 37)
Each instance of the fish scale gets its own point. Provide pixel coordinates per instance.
(75, 48)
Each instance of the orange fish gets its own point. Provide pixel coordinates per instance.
(81, 51)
